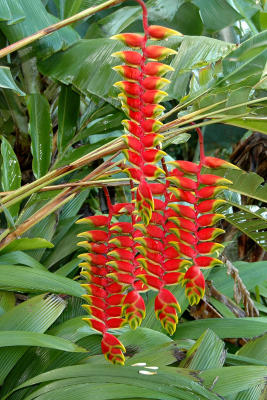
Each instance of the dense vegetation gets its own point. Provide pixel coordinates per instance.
(61, 148)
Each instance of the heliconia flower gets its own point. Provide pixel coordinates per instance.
(152, 110)
(134, 115)
(209, 205)
(121, 241)
(132, 102)
(182, 195)
(152, 171)
(185, 211)
(154, 68)
(153, 155)
(93, 258)
(132, 127)
(183, 182)
(176, 264)
(151, 230)
(122, 278)
(153, 96)
(207, 262)
(161, 32)
(134, 309)
(154, 82)
(121, 254)
(157, 189)
(121, 227)
(209, 219)
(132, 157)
(166, 308)
(119, 265)
(113, 349)
(186, 237)
(129, 88)
(194, 285)
(208, 247)
(94, 235)
(210, 191)
(185, 166)
(133, 40)
(150, 243)
(173, 278)
(134, 173)
(129, 57)
(152, 139)
(151, 125)
(158, 52)
(122, 208)
(94, 220)
(152, 256)
(209, 233)
(153, 269)
(131, 73)
(132, 142)
(95, 247)
(153, 282)
(213, 162)
(182, 223)
(209, 179)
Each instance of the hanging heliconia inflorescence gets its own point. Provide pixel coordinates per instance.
(166, 235)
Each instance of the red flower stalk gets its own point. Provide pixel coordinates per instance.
(140, 97)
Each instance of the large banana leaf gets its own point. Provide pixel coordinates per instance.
(29, 280)
(44, 310)
(7, 81)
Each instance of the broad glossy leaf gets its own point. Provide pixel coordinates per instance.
(256, 348)
(233, 379)
(29, 280)
(258, 124)
(217, 14)
(10, 172)
(251, 274)
(208, 352)
(24, 338)
(7, 81)
(7, 301)
(195, 52)
(12, 13)
(167, 383)
(40, 129)
(36, 18)
(188, 20)
(18, 257)
(27, 244)
(223, 327)
(68, 113)
(45, 309)
(248, 60)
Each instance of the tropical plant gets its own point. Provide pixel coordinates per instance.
(151, 229)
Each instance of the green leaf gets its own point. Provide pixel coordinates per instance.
(258, 124)
(251, 274)
(248, 60)
(25, 279)
(7, 81)
(195, 52)
(68, 113)
(92, 381)
(10, 172)
(18, 257)
(206, 353)
(24, 338)
(11, 13)
(36, 18)
(7, 302)
(217, 14)
(223, 327)
(40, 129)
(229, 380)
(44, 310)
(187, 20)
(256, 349)
(27, 244)
(250, 220)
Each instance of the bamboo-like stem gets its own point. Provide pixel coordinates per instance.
(26, 190)
(55, 27)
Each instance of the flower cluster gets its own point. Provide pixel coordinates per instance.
(167, 233)
(140, 97)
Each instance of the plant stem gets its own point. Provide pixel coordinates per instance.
(52, 28)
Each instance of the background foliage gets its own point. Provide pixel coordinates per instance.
(60, 120)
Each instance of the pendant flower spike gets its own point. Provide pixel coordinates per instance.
(140, 97)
